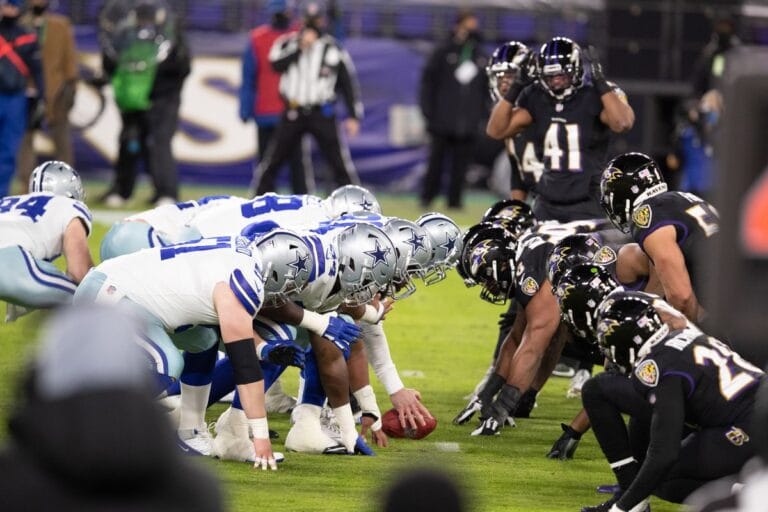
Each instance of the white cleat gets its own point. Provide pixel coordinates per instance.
(329, 425)
(306, 434)
(577, 382)
(195, 441)
(232, 440)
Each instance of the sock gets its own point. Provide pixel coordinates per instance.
(625, 471)
(506, 403)
(222, 382)
(347, 424)
(194, 401)
(271, 373)
(527, 401)
(492, 386)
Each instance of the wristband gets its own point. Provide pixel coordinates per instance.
(314, 322)
(602, 86)
(372, 314)
(259, 428)
(260, 349)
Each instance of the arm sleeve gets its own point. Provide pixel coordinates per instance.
(248, 83)
(250, 296)
(380, 359)
(348, 86)
(666, 430)
(284, 52)
(524, 100)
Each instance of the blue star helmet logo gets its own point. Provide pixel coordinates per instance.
(379, 254)
(365, 205)
(416, 241)
(300, 264)
(449, 244)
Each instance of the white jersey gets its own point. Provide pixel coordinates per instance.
(268, 211)
(172, 220)
(37, 222)
(176, 283)
(318, 294)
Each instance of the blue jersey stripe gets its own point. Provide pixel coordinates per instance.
(82, 209)
(247, 288)
(319, 256)
(247, 304)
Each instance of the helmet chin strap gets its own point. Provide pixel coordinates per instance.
(651, 342)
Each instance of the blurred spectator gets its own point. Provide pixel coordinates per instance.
(148, 60)
(55, 37)
(259, 95)
(87, 435)
(453, 99)
(421, 490)
(19, 63)
(711, 63)
(313, 66)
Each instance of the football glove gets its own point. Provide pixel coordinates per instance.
(337, 330)
(283, 353)
(598, 78)
(566, 445)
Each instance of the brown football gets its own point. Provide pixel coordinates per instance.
(390, 424)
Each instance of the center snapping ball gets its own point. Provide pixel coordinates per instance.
(390, 424)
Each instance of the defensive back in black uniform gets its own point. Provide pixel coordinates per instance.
(673, 228)
(569, 120)
(689, 379)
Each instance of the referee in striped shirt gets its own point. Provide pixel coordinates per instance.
(313, 66)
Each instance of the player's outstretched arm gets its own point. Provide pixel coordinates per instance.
(240, 344)
(543, 319)
(617, 114)
(75, 247)
(669, 263)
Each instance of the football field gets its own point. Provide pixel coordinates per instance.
(441, 339)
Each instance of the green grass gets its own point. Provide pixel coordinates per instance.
(446, 333)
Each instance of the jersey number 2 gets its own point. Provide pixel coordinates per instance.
(573, 147)
(728, 364)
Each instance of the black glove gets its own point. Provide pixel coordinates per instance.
(565, 446)
(598, 78)
(525, 76)
(283, 353)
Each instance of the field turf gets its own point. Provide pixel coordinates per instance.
(441, 339)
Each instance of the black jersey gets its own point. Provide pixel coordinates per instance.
(570, 141)
(533, 250)
(526, 167)
(720, 385)
(695, 220)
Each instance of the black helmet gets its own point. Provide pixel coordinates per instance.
(579, 292)
(514, 215)
(628, 325)
(490, 262)
(560, 56)
(570, 251)
(507, 58)
(627, 181)
(475, 234)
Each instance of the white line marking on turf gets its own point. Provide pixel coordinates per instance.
(412, 373)
(448, 447)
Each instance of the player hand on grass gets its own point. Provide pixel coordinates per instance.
(368, 422)
(408, 404)
(263, 447)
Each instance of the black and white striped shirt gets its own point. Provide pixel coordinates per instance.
(311, 77)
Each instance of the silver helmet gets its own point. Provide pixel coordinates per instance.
(287, 263)
(445, 237)
(57, 178)
(367, 262)
(352, 199)
(414, 254)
